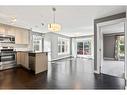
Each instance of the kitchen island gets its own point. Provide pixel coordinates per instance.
(35, 61)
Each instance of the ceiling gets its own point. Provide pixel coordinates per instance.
(75, 20)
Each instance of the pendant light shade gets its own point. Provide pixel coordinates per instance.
(54, 27)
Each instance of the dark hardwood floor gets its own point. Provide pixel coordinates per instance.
(63, 74)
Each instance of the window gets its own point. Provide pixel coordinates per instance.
(80, 48)
(121, 46)
(37, 43)
(63, 45)
(87, 47)
(84, 47)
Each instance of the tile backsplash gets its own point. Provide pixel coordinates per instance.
(21, 47)
(18, 47)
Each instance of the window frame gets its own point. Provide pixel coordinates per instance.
(90, 48)
(63, 42)
(37, 41)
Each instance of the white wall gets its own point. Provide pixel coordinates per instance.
(52, 39)
(74, 47)
(47, 45)
(114, 28)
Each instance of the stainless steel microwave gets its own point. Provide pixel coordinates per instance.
(7, 39)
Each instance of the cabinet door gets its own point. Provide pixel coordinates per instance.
(41, 63)
(45, 60)
(21, 36)
(2, 29)
(18, 36)
(25, 35)
(11, 31)
(18, 57)
(7, 30)
(26, 60)
(22, 58)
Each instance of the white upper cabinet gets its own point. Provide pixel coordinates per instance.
(18, 36)
(2, 29)
(26, 37)
(11, 31)
(21, 35)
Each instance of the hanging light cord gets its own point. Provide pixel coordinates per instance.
(54, 9)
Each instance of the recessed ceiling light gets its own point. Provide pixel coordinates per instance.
(13, 19)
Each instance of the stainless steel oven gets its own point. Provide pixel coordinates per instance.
(7, 58)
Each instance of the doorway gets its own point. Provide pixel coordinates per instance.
(112, 48)
(113, 54)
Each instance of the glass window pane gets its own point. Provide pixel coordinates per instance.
(80, 48)
(37, 43)
(121, 39)
(63, 49)
(120, 45)
(62, 45)
(87, 48)
(122, 49)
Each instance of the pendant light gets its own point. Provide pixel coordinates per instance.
(54, 27)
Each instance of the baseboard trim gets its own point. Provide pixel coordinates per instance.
(61, 58)
(96, 72)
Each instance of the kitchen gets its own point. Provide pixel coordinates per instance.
(30, 40)
(22, 47)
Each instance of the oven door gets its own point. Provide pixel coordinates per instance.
(7, 57)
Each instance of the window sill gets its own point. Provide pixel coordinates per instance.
(63, 53)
